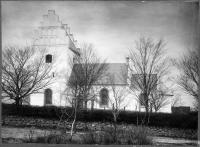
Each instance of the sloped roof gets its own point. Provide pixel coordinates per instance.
(115, 74)
(137, 79)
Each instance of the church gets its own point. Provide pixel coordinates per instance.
(56, 37)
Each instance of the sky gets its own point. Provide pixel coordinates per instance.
(111, 26)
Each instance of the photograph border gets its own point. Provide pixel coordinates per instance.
(66, 145)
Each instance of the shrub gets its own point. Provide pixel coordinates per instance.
(142, 136)
(11, 140)
(90, 138)
(33, 111)
(51, 137)
(138, 136)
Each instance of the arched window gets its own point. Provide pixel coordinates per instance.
(47, 41)
(58, 41)
(141, 99)
(54, 32)
(48, 58)
(44, 32)
(37, 42)
(49, 32)
(41, 41)
(104, 95)
(48, 96)
(53, 41)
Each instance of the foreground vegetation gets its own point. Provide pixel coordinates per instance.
(139, 136)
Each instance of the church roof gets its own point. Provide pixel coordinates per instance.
(115, 74)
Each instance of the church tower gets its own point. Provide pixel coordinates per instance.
(55, 36)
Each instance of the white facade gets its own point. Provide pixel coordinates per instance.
(56, 38)
(122, 95)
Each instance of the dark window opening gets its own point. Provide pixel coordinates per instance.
(48, 58)
(104, 95)
(48, 96)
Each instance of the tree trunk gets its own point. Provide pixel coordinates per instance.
(73, 128)
(85, 105)
(17, 100)
(151, 108)
(20, 102)
(146, 103)
(146, 108)
(115, 126)
(92, 105)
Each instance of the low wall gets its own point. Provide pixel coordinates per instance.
(39, 122)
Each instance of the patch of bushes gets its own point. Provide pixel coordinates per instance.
(11, 140)
(33, 111)
(138, 136)
(49, 138)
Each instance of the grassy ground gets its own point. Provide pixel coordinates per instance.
(19, 135)
(35, 135)
(28, 135)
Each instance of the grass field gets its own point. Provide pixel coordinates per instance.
(35, 135)
(27, 135)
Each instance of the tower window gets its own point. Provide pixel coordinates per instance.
(48, 58)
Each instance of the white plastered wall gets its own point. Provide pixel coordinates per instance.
(130, 102)
(54, 36)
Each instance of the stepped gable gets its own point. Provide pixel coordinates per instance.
(52, 32)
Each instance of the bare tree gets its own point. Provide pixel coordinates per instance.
(159, 98)
(148, 67)
(24, 72)
(119, 99)
(177, 101)
(73, 97)
(87, 69)
(188, 79)
(70, 98)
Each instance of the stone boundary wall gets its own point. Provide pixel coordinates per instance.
(98, 126)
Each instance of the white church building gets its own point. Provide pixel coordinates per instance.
(55, 36)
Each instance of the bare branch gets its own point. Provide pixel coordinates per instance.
(148, 65)
(188, 78)
(87, 70)
(25, 71)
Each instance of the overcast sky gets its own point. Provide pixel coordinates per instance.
(112, 27)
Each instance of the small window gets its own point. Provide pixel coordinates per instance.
(48, 58)
(104, 95)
